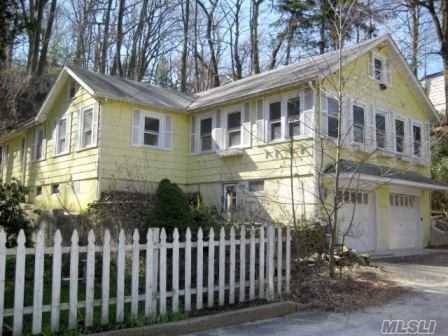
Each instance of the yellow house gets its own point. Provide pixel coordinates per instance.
(256, 149)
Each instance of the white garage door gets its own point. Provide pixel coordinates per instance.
(404, 221)
(357, 218)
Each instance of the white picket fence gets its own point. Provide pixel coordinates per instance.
(165, 276)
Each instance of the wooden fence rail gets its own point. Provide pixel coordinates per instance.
(115, 281)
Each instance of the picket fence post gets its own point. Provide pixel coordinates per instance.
(232, 266)
(288, 260)
(211, 267)
(19, 285)
(162, 270)
(74, 263)
(270, 262)
(175, 270)
(187, 298)
(105, 279)
(121, 255)
(135, 273)
(252, 265)
(155, 267)
(222, 266)
(199, 274)
(241, 297)
(56, 282)
(261, 257)
(279, 259)
(149, 278)
(90, 279)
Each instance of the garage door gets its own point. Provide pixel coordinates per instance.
(404, 221)
(357, 218)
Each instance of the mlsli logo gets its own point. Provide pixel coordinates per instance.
(410, 327)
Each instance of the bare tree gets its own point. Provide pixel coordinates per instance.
(255, 53)
(186, 23)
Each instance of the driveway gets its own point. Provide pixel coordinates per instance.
(427, 275)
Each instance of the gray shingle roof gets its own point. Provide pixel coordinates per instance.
(363, 168)
(132, 91)
(309, 68)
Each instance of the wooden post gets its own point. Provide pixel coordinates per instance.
(175, 271)
(135, 273)
(2, 276)
(232, 266)
(211, 268)
(252, 265)
(270, 263)
(121, 254)
(162, 275)
(56, 282)
(187, 296)
(19, 285)
(199, 274)
(261, 258)
(279, 260)
(222, 265)
(149, 279)
(90, 279)
(38, 291)
(242, 264)
(74, 264)
(288, 260)
(105, 279)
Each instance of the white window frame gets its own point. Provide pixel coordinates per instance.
(422, 141)
(301, 96)
(236, 109)
(43, 148)
(383, 74)
(66, 150)
(365, 126)
(328, 115)
(94, 129)
(270, 122)
(384, 114)
(159, 134)
(398, 117)
(163, 132)
(200, 119)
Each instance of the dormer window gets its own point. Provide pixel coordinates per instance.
(378, 66)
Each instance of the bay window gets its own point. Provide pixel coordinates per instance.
(275, 123)
(399, 135)
(206, 134)
(380, 123)
(358, 124)
(293, 117)
(234, 129)
(417, 140)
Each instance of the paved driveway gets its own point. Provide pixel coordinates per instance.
(428, 275)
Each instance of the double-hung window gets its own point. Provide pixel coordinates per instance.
(380, 123)
(378, 68)
(417, 140)
(399, 135)
(358, 124)
(62, 141)
(87, 127)
(294, 117)
(206, 134)
(234, 129)
(333, 122)
(151, 134)
(275, 121)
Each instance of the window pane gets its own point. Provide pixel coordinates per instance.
(152, 124)
(206, 126)
(378, 68)
(151, 139)
(294, 107)
(275, 111)
(333, 127)
(417, 140)
(62, 130)
(358, 124)
(230, 197)
(380, 121)
(399, 127)
(399, 136)
(234, 138)
(276, 131)
(332, 106)
(294, 128)
(206, 142)
(87, 128)
(234, 120)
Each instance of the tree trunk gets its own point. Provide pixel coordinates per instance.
(46, 40)
(117, 68)
(415, 34)
(105, 43)
(254, 50)
(133, 72)
(238, 67)
(183, 70)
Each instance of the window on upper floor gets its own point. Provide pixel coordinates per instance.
(206, 134)
(358, 124)
(380, 123)
(62, 136)
(293, 116)
(39, 143)
(275, 121)
(333, 122)
(378, 68)
(399, 135)
(88, 122)
(417, 140)
(151, 129)
(234, 129)
(151, 136)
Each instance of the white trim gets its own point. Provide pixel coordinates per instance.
(209, 115)
(235, 108)
(422, 140)
(384, 75)
(67, 117)
(34, 144)
(394, 181)
(365, 108)
(81, 112)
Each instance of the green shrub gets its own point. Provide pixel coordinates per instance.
(171, 208)
(309, 239)
(12, 216)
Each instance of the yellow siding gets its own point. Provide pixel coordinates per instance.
(75, 172)
(127, 167)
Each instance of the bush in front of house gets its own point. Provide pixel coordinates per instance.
(12, 216)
